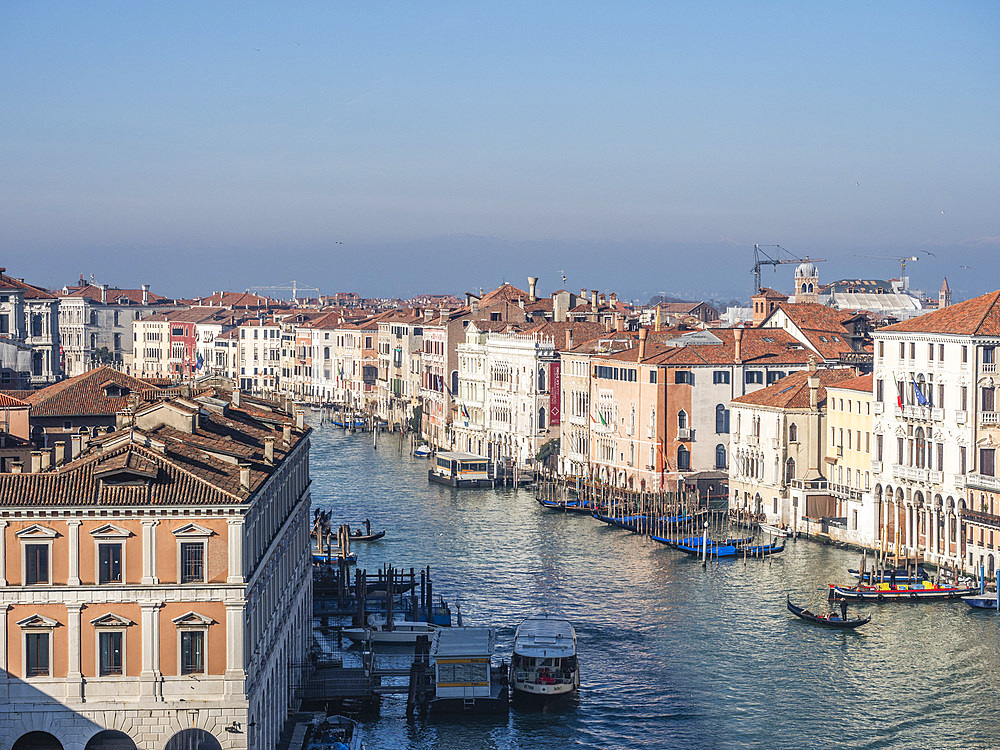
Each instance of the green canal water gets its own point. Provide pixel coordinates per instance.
(672, 655)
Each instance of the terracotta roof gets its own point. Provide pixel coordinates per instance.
(768, 293)
(979, 316)
(30, 291)
(792, 392)
(860, 383)
(86, 395)
(503, 293)
(9, 402)
(134, 296)
(758, 346)
(237, 299)
(580, 332)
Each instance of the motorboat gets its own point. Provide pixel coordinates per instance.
(906, 592)
(544, 665)
(422, 451)
(398, 632)
(782, 532)
(334, 733)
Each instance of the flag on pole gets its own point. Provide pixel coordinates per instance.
(921, 398)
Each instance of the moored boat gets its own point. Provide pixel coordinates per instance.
(465, 680)
(983, 601)
(828, 619)
(457, 469)
(782, 532)
(906, 592)
(334, 733)
(544, 665)
(399, 632)
(569, 506)
(421, 451)
(899, 575)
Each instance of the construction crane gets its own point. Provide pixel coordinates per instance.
(762, 258)
(902, 260)
(294, 288)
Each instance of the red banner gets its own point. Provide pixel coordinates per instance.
(555, 392)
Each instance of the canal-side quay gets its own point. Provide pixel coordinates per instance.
(670, 652)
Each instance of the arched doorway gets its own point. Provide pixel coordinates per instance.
(37, 741)
(110, 739)
(193, 739)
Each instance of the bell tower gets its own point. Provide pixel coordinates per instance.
(944, 296)
(806, 282)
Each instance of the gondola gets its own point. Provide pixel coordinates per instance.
(570, 506)
(360, 537)
(830, 620)
(908, 592)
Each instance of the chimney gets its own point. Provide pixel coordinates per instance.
(84, 442)
(475, 305)
(16, 467)
(75, 446)
(145, 294)
(607, 324)
(569, 339)
(236, 398)
(104, 294)
(738, 345)
(642, 344)
(269, 450)
(593, 300)
(428, 314)
(36, 461)
(286, 434)
(59, 453)
(45, 461)
(244, 476)
(300, 420)
(813, 382)
(603, 299)
(619, 323)
(532, 282)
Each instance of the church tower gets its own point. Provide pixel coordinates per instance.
(806, 282)
(944, 296)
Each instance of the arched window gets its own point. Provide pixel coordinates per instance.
(454, 382)
(541, 418)
(720, 456)
(683, 458)
(682, 420)
(803, 289)
(810, 288)
(541, 378)
(921, 444)
(789, 469)
(793, 432)
(721, 419)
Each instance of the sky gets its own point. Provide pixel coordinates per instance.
(393, 148)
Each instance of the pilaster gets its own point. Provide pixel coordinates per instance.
(4, 674)
(3, 562)
(74, 673)
(149, 577)
(150, 677)
(236, 527)
(73, 525)
(235, 680)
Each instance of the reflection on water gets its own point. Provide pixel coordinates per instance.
(672, 655)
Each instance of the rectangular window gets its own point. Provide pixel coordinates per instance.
(36, 564)
(36, 654)
(192, 562)
(754, 377)
(652, 376)
(965, 397)
(878, 447)
(987, 459)
(683, 376)
(940, 456)
(192, 652)
(930, 352)
(941, 352)
(879, 390)
(965, 354)
(720, 377)
(986, 402)
(961, 459)
(109, 563)
(988, 355)
(913, 350)
(110, 653)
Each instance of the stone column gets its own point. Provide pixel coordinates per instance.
(74, 551)
(235, 647)
(149, 678)
(3, 571)
(4, 675)
(235, 529)
(149, 552)
(74, 674)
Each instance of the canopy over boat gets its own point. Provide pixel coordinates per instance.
(545, 636)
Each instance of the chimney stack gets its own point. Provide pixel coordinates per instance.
(813, 382)
(36, 462)
(475, 305)
(593, 300)
(619, 323)
(300, 420)
(642, 344)
(245, 476)
(532, 282)
(145, 294)
(738, 345)
(286, 434)
(104, 294)
(59, 453)
(16, 467)
(236, 398)
(607, 324)
(428, 314)
(75, 446)
(569, 339)
(269, 450)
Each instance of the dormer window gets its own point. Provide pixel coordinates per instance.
(114, 390)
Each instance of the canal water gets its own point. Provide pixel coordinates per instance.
(672, 655)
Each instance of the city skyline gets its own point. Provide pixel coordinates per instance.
(399, 150)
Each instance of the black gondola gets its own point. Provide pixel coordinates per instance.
(830, 620)
(360, 537)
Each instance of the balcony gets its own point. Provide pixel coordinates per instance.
(878, 407)
(751, 439)
(845, 492)
(937, 477)
(989, 418)
(683, 433)
(910, 473)
(983, 482)
(960, 416)
(981, 519)
(959, 481)
(989, 368)
(876, 467)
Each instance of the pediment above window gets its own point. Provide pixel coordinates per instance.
(37, 531)
(37, 621)
(193, 530)
(193, 619)
(110, 531)
(111, 621)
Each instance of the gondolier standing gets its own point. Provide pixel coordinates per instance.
(843, 610)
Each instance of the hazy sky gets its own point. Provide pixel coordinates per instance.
(637, 146)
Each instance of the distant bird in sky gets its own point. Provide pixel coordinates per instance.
(967, 268)
(929, 252)
(256, 50)
(942, 212)
(339, 242)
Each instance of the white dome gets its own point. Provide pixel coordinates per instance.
(806, 270)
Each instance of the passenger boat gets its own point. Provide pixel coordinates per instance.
(782, 532)
(830, 619)
(422, 451)
(398, 632)
(334, 733)
(465, 679)
(906, 592)
(460, 470)
(544, 666)
(899, 575)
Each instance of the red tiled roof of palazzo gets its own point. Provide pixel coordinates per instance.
(85, 395)
(979, 316)
(792, 392)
